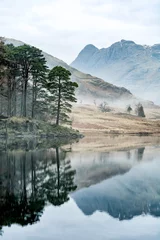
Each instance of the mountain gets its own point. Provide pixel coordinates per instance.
(126, 64)
(90, 88)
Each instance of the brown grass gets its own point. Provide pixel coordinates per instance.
(88, 118)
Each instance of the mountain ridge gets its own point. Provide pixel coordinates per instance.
(125, 63)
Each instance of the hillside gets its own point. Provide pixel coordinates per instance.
(90, 88)
(126, 64)
(89, 119)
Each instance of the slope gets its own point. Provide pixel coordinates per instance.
(126, 64)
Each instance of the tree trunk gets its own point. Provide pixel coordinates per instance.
(9, 98)
(25, 98)
(58, 107)
(22, 99)
(1, 102)
(14, 100)
(34, 97)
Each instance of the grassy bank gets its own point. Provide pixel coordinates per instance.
(24, 127)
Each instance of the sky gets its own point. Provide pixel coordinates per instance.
(63, 27)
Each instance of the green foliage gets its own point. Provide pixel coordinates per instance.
(25, 127)
(129, 109)
(139, 110)
(29, 89)
(62, 91)
(32, 65)
(25, 69)
(3, 60)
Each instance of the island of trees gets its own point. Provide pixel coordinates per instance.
(29, 89)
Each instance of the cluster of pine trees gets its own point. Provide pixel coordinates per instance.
(29, 89)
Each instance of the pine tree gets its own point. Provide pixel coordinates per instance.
(33, 66)
(139, 110)
(129, 109)
(4, 80)
(62, 91)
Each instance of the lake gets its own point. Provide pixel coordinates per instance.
(102, 187)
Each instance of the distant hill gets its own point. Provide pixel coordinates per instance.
(90, 88)
(126, 64)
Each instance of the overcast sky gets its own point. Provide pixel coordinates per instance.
(63, 27)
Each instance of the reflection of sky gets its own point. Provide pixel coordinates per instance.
(68, 222)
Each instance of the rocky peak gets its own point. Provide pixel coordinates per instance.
(88, 50)
(126, 63)
(127, 42)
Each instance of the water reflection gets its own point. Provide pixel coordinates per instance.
(31, 179)
(140, 152)
(135, 193)
(99, 188)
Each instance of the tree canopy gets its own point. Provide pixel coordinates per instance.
(29, 89)
(139, 110)
(62, 91)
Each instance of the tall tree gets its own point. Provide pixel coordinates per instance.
(38, 71)
(139, 110)
(129, 109)
(12, 80)
(4, 80)
(2, 65)
(32, 64)
(62, 90)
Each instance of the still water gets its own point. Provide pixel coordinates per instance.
(49, 191)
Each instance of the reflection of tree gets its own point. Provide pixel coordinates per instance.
(128, 155)
(15, 203)
(62, 180)
(28, 180)
(140, 152)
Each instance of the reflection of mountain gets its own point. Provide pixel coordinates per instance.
(31, 179)
(94, 167)
(125, 196)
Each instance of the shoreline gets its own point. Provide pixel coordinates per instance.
(27, 129)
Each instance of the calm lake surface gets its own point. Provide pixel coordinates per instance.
(96, 189)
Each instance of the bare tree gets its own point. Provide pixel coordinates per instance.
(104, 107)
